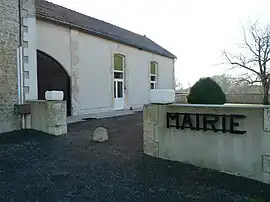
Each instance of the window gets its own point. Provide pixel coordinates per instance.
(118, 62)
(118, 74)
(153, 75)
(118, 66)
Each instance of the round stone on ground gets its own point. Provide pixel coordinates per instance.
(100, 135)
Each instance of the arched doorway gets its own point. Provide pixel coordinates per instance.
(52, 76)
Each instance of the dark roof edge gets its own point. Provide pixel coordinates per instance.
(98, 34)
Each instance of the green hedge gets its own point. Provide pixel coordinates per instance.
(206, 91)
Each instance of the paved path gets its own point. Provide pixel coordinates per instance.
(100, 115)
(37, 167)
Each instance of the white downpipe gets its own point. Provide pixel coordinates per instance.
(18, 75)
(20, 81)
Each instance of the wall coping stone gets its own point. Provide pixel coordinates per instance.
(227, 105)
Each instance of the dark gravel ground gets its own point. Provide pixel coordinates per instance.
(38, 167)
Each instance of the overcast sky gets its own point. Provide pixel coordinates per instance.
(195, 31)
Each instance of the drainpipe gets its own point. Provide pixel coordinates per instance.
(20, 67)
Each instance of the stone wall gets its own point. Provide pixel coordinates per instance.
(9, 41)
(247, 154)
(231, 98)
(48, 116)
(245, 98)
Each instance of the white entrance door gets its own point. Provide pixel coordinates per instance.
(118, 82)
(119, 101)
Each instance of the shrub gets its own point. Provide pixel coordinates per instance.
(206, 91)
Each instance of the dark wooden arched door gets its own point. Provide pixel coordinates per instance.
(52, 76)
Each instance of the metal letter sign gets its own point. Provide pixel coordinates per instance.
(183, 120)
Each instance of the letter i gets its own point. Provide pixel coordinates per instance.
(197, 122)
(224, 123)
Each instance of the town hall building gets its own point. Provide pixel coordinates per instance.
(99, 66)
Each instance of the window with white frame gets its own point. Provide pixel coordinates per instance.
(118, 66)
(153, 75)
(119, 61)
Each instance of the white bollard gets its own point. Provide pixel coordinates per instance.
(54, 95)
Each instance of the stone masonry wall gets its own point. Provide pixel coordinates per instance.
(247, 155)
(49, 116)
(150, 121)
(9, 41)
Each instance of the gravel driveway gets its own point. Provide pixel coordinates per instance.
(38, 167)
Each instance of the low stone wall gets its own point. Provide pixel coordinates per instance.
(48, 116)
(231, 98)
(245, 98)
(228, 138)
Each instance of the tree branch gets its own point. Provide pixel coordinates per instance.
(258, 56)
(247, 44)
(266, 57)
(240, 65)
(248, 81)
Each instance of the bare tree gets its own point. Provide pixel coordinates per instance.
(255, 58)
(234, 84)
